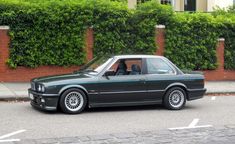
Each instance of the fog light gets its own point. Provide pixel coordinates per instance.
(42, 100)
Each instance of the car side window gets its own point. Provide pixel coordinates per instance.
(158, 66)
(126, 67)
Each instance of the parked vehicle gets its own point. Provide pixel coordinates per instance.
(123, 80)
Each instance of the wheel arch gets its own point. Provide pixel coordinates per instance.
(62, 90)
(181, 85)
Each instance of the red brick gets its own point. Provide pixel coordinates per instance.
(24, 74)
(160, 40)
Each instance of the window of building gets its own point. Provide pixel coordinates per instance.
(141, 1)
(166, 2)
(190, 5)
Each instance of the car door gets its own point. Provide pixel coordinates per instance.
(124, 88)
(159, 75)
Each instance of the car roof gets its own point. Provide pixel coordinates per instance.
(137, 56)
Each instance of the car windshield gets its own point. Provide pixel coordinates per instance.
(95, 66)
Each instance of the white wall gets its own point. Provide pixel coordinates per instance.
(220, 3)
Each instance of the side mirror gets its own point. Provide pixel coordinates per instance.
(107, 74)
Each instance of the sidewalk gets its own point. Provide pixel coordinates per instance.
(19, 90)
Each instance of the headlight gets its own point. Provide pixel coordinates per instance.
(41, 88)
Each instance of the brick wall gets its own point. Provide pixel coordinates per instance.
(211, 75)
(23, 74)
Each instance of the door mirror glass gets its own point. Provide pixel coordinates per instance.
(109, 73)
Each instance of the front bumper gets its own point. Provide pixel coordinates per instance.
(196, 93)
(43, 101)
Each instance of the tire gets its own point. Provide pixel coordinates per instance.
(73, 101)
(175, 98)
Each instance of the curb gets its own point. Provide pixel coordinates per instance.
(14, 99)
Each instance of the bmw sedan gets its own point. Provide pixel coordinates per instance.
(123, 80)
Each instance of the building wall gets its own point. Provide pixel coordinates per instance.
(218, 3)
(201, 5)
(132, 4)
(178, 5)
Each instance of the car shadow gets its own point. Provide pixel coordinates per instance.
(125, 108)
(118, 109)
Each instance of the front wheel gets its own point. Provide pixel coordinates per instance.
(73, 101)
(175, 98)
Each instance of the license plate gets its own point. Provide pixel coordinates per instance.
(31, 96)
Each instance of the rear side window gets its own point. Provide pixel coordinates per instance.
(158, 66)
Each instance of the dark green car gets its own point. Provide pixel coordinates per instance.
(123, 80)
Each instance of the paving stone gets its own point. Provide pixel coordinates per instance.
(124, 135)
(100, 137)
(230, 126)
(68, 140)
(47, 141)
(222, 135)
(83, 138)
(26, 142)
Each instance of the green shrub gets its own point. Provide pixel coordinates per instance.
(45, 33)
(227, 31)
(51, 32)
(110, 26)
(191, 41)
(142, 26)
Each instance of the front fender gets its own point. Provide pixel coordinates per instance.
(72, 86)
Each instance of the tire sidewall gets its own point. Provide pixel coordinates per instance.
(167, 98)
(62, 101)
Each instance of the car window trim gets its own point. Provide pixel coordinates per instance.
(175, 72)
(114, 61)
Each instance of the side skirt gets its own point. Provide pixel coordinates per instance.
(93, 105)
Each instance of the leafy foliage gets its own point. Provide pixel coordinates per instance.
(51, 32)
(142, 26)
(45, 33)
(227, 31)
(191, 41)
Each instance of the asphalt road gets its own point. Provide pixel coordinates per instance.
(14, 116)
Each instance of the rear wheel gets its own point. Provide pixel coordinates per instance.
(73, 101)
(175, 98)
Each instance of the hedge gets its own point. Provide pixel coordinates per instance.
(142, 26)
(191, 41)
(227, 31)
(45, 33)
(52, 32)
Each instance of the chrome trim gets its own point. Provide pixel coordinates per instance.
(121, 92)
(41, 94)
(155, 90)
(202, 89)
(50, 108)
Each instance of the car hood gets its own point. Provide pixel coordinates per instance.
(57, 78)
